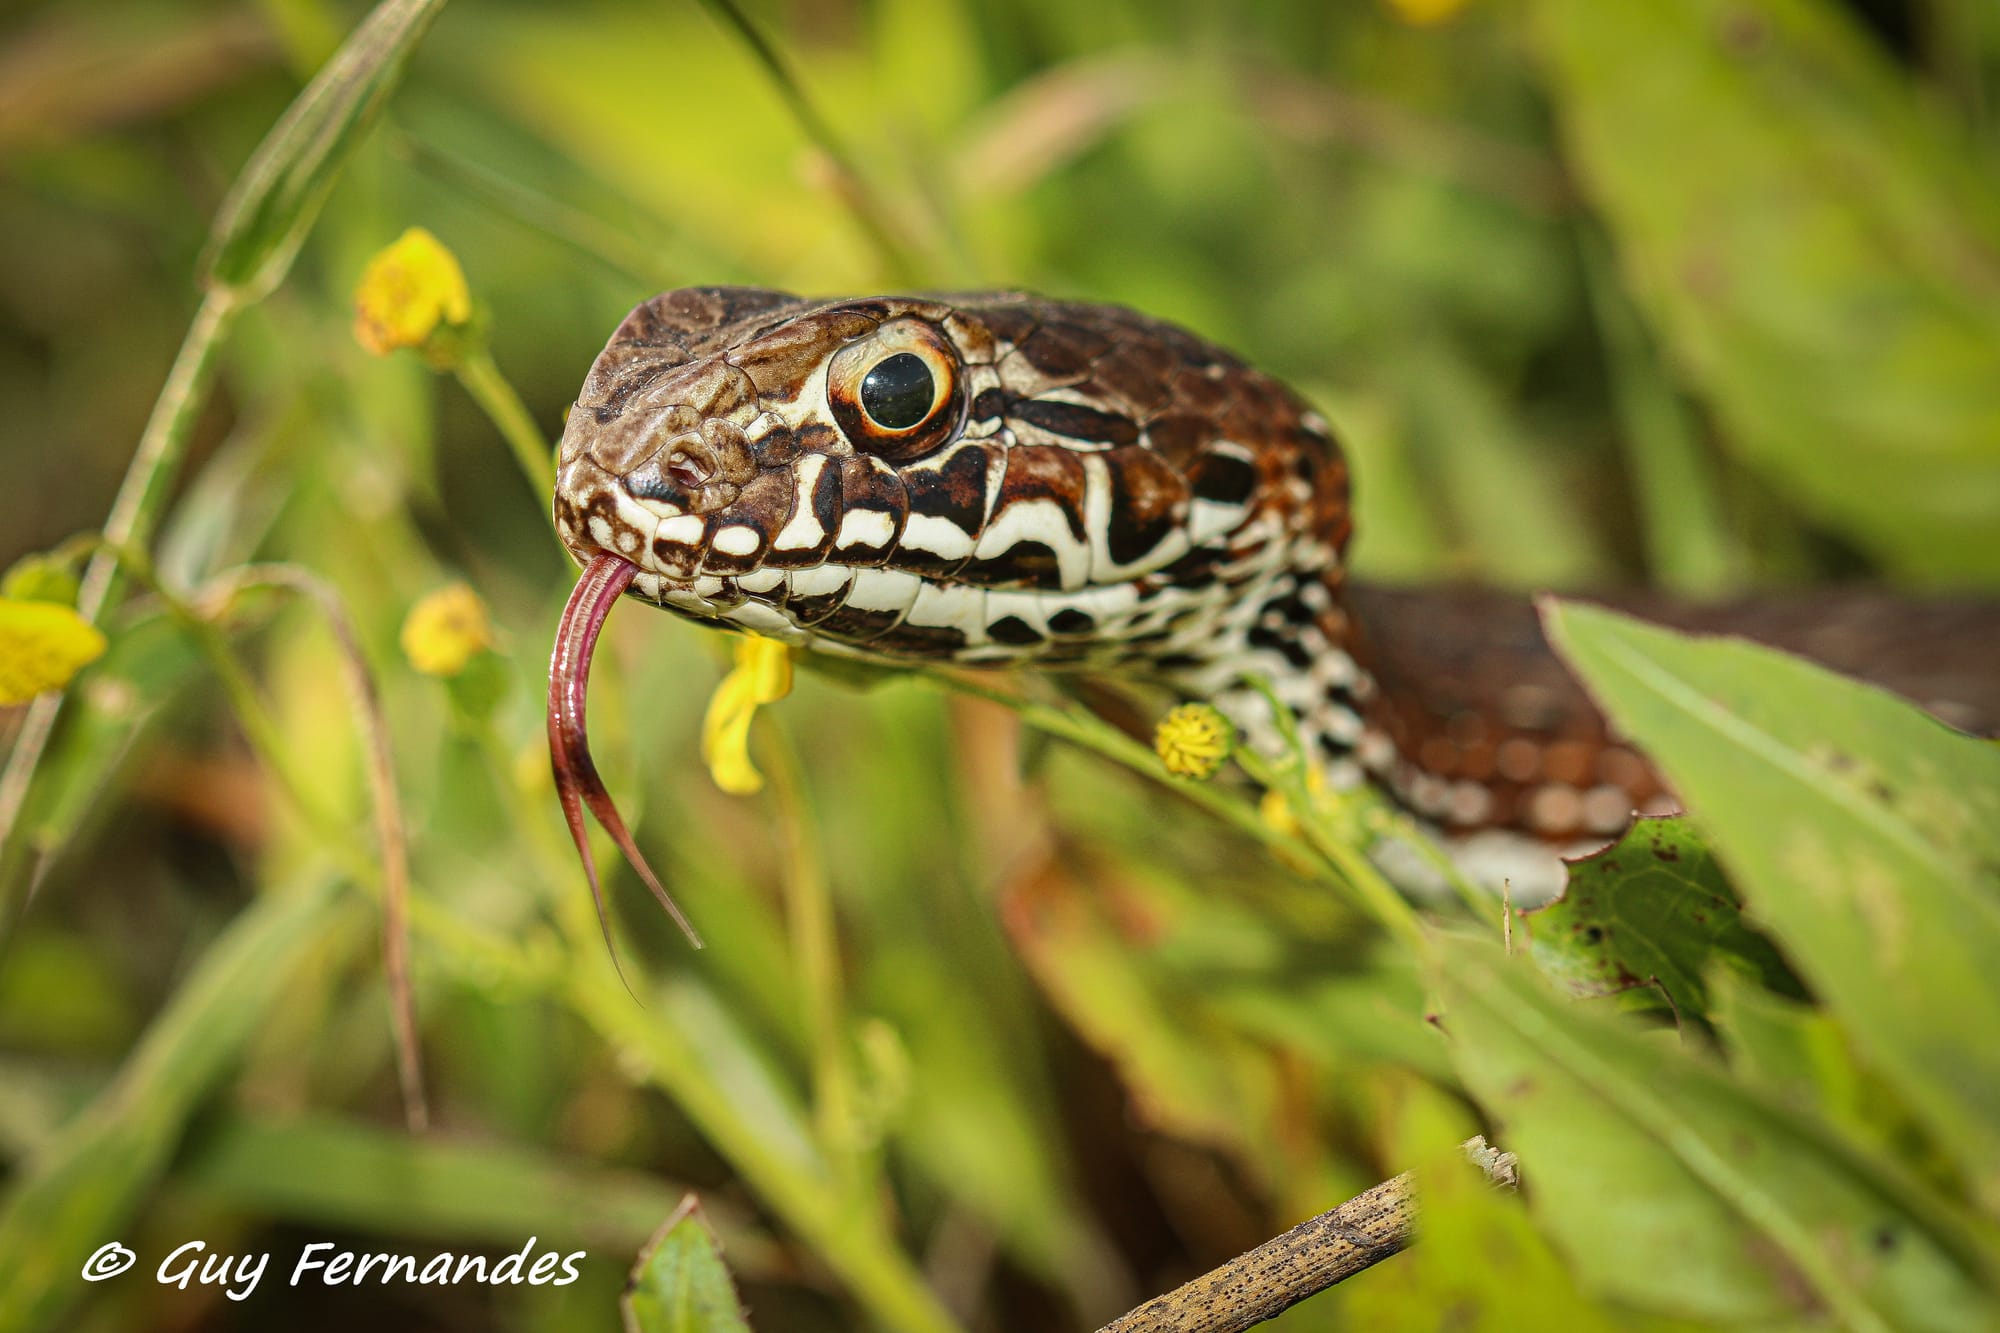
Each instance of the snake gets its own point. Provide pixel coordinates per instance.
(997, 479)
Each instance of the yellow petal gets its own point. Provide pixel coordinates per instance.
(768, 664)
(762, 675)
(408, 292)
(445, 630)
(42, 645)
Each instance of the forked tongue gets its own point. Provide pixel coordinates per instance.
(577, 782)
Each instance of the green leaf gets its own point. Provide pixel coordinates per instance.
(1481, 1256)
(1863, 834)
(1825, 266)
(280, 191)
(1647, 916)
(1677, 1189)
(41, 578)
(680, 1284)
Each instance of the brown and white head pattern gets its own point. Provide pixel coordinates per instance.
(989, 478)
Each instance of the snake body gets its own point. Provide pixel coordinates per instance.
(996, 478)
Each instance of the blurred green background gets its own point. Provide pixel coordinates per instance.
(1703, 294)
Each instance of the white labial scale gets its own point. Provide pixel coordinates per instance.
(865, 527)
(804, 531)
(939, 536)
(736, 539)
(659, 508)
(1028, 606)
(686, 530)
(689, 601)
(1106, 606)
(767, 621)
(1040, 520)
(760, 580)
(883, 590)
(820, 580)
(956, 606)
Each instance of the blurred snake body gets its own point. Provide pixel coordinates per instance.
(998, 479)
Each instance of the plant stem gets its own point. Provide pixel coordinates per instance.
(149, 478)
(1340, 863)
(496, 397)
(1305, 1261)
(816, 955)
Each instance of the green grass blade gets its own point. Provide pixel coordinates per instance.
(279, 193)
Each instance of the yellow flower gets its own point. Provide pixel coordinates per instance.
(1427, 13)
(1277, 814)
(1275, 807)
(446, 630)
(1193, 740)
(42, 645)
(409, 293)
(762, 675)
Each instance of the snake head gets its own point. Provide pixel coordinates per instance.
(753, 455)
(988, 478)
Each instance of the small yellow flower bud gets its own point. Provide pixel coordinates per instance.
(762, 675)
(446, 630)
(412, 294)
(42, 645)
(1193, 740)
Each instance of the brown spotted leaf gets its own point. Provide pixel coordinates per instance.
(1864, 835)
(1648, 916)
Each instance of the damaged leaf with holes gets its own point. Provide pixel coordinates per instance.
(1646, 919)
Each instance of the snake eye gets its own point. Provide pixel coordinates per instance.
(896, 393)
(899, 392)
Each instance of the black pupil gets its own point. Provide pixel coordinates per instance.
(898, 392)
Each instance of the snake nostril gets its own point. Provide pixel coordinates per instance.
(687, 472)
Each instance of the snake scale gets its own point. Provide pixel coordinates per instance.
(999, 479)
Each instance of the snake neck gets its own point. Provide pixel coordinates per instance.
(1449, 703)
(1296, 648)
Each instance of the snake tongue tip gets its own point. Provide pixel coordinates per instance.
(577, 781)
